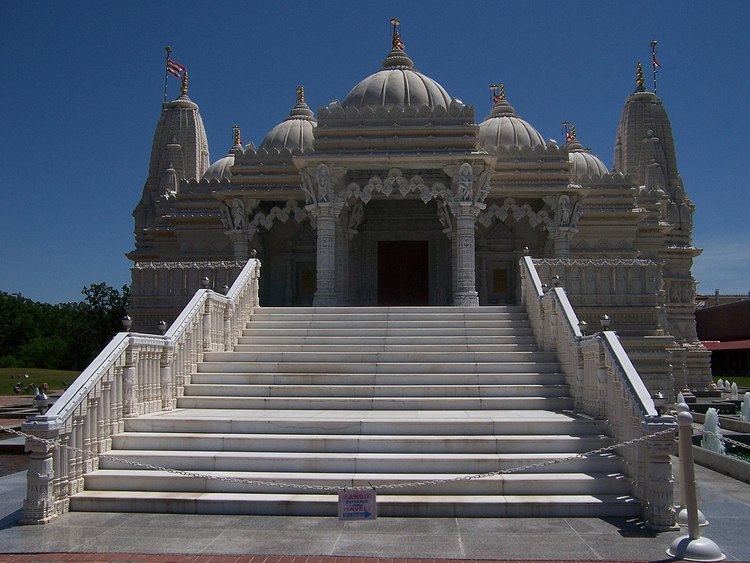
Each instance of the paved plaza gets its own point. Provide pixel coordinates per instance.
(725, 501)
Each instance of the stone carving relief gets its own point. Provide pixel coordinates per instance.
(325, 186)
(276, 213)
(510, 206)
(446, 219)
(465, 181)
(233, 215)
(567, 212)
(395, 181)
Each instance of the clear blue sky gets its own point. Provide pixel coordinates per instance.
(82, 86)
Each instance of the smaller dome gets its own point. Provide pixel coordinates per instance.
(503, 128)
(295, 132)
(219, 170)
(583, 163)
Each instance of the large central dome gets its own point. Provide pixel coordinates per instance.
(398, 84)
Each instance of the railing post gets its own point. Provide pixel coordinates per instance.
(207, 326)
(165, 376)
(39, 505)
(228, 335)
(129, 383)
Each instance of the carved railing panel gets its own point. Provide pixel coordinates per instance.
(135, 374)
(605, 385)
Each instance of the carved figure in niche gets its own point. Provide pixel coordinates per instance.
(465, 182)
(567, 214)
(226, 217)
(444, 216)
(238, 213)
(307, 188)
(355, 218)
(323, 176)
(484, 186)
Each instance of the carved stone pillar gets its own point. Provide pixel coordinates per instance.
(240, 245)
(325, 290)
(561, 239)
(465, 289)
(342, 258)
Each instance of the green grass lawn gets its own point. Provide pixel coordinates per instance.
(56, 379)
(741, 381)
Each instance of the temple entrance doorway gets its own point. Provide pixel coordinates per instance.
(403, 272)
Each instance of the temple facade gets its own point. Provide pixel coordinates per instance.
(399, 195)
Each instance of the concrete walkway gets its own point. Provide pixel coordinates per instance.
(725, 501)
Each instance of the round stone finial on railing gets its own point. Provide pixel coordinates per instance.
(605, 321)
(253, 253)
(526, 251)
(225, 289)
(545, 288)
(127, 322)
(162, 326)
(660, 402)
(582, 326)
(205, 282)
(556, 280)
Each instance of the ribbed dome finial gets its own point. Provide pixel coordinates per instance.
(397, 58)
(236, 137)
(500, 105)
(301, 110)
(571, 139)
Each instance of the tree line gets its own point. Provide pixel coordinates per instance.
(65, 336)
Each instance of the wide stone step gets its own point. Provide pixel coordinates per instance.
(510, 484)
(408, 349)
(388, 505)
(355, 322)
(512, 355)
(369, 422)
(415, 367)
(353, 462)
(255, 390)
(450, 309)
(376, 315)
(311, 443)
(346, 341)
(376, 403)
(390, 332)
(528, 378)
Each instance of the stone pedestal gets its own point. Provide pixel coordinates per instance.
(465, 289)
(325, 290)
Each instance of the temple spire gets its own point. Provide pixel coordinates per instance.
(236, 137)
(300, 94)
(639, 87)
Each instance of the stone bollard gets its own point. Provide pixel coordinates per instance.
(691, 546)
(682, 516)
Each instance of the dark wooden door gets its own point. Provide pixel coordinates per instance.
(403, 272)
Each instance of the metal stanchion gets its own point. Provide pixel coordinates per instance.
(682, 515)
(691, 546)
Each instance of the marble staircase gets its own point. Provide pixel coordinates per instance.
(360, 396)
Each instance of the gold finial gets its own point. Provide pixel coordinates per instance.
(498, 93)
(236, 135)
(396, 41)
(184, 84)
(639, 87)
(300, 94)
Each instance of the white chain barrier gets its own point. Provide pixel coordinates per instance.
(333, 488)
(723, 438)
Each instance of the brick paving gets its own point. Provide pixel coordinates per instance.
(125, 557)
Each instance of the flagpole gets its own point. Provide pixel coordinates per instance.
(653, 61)
(167, 51)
